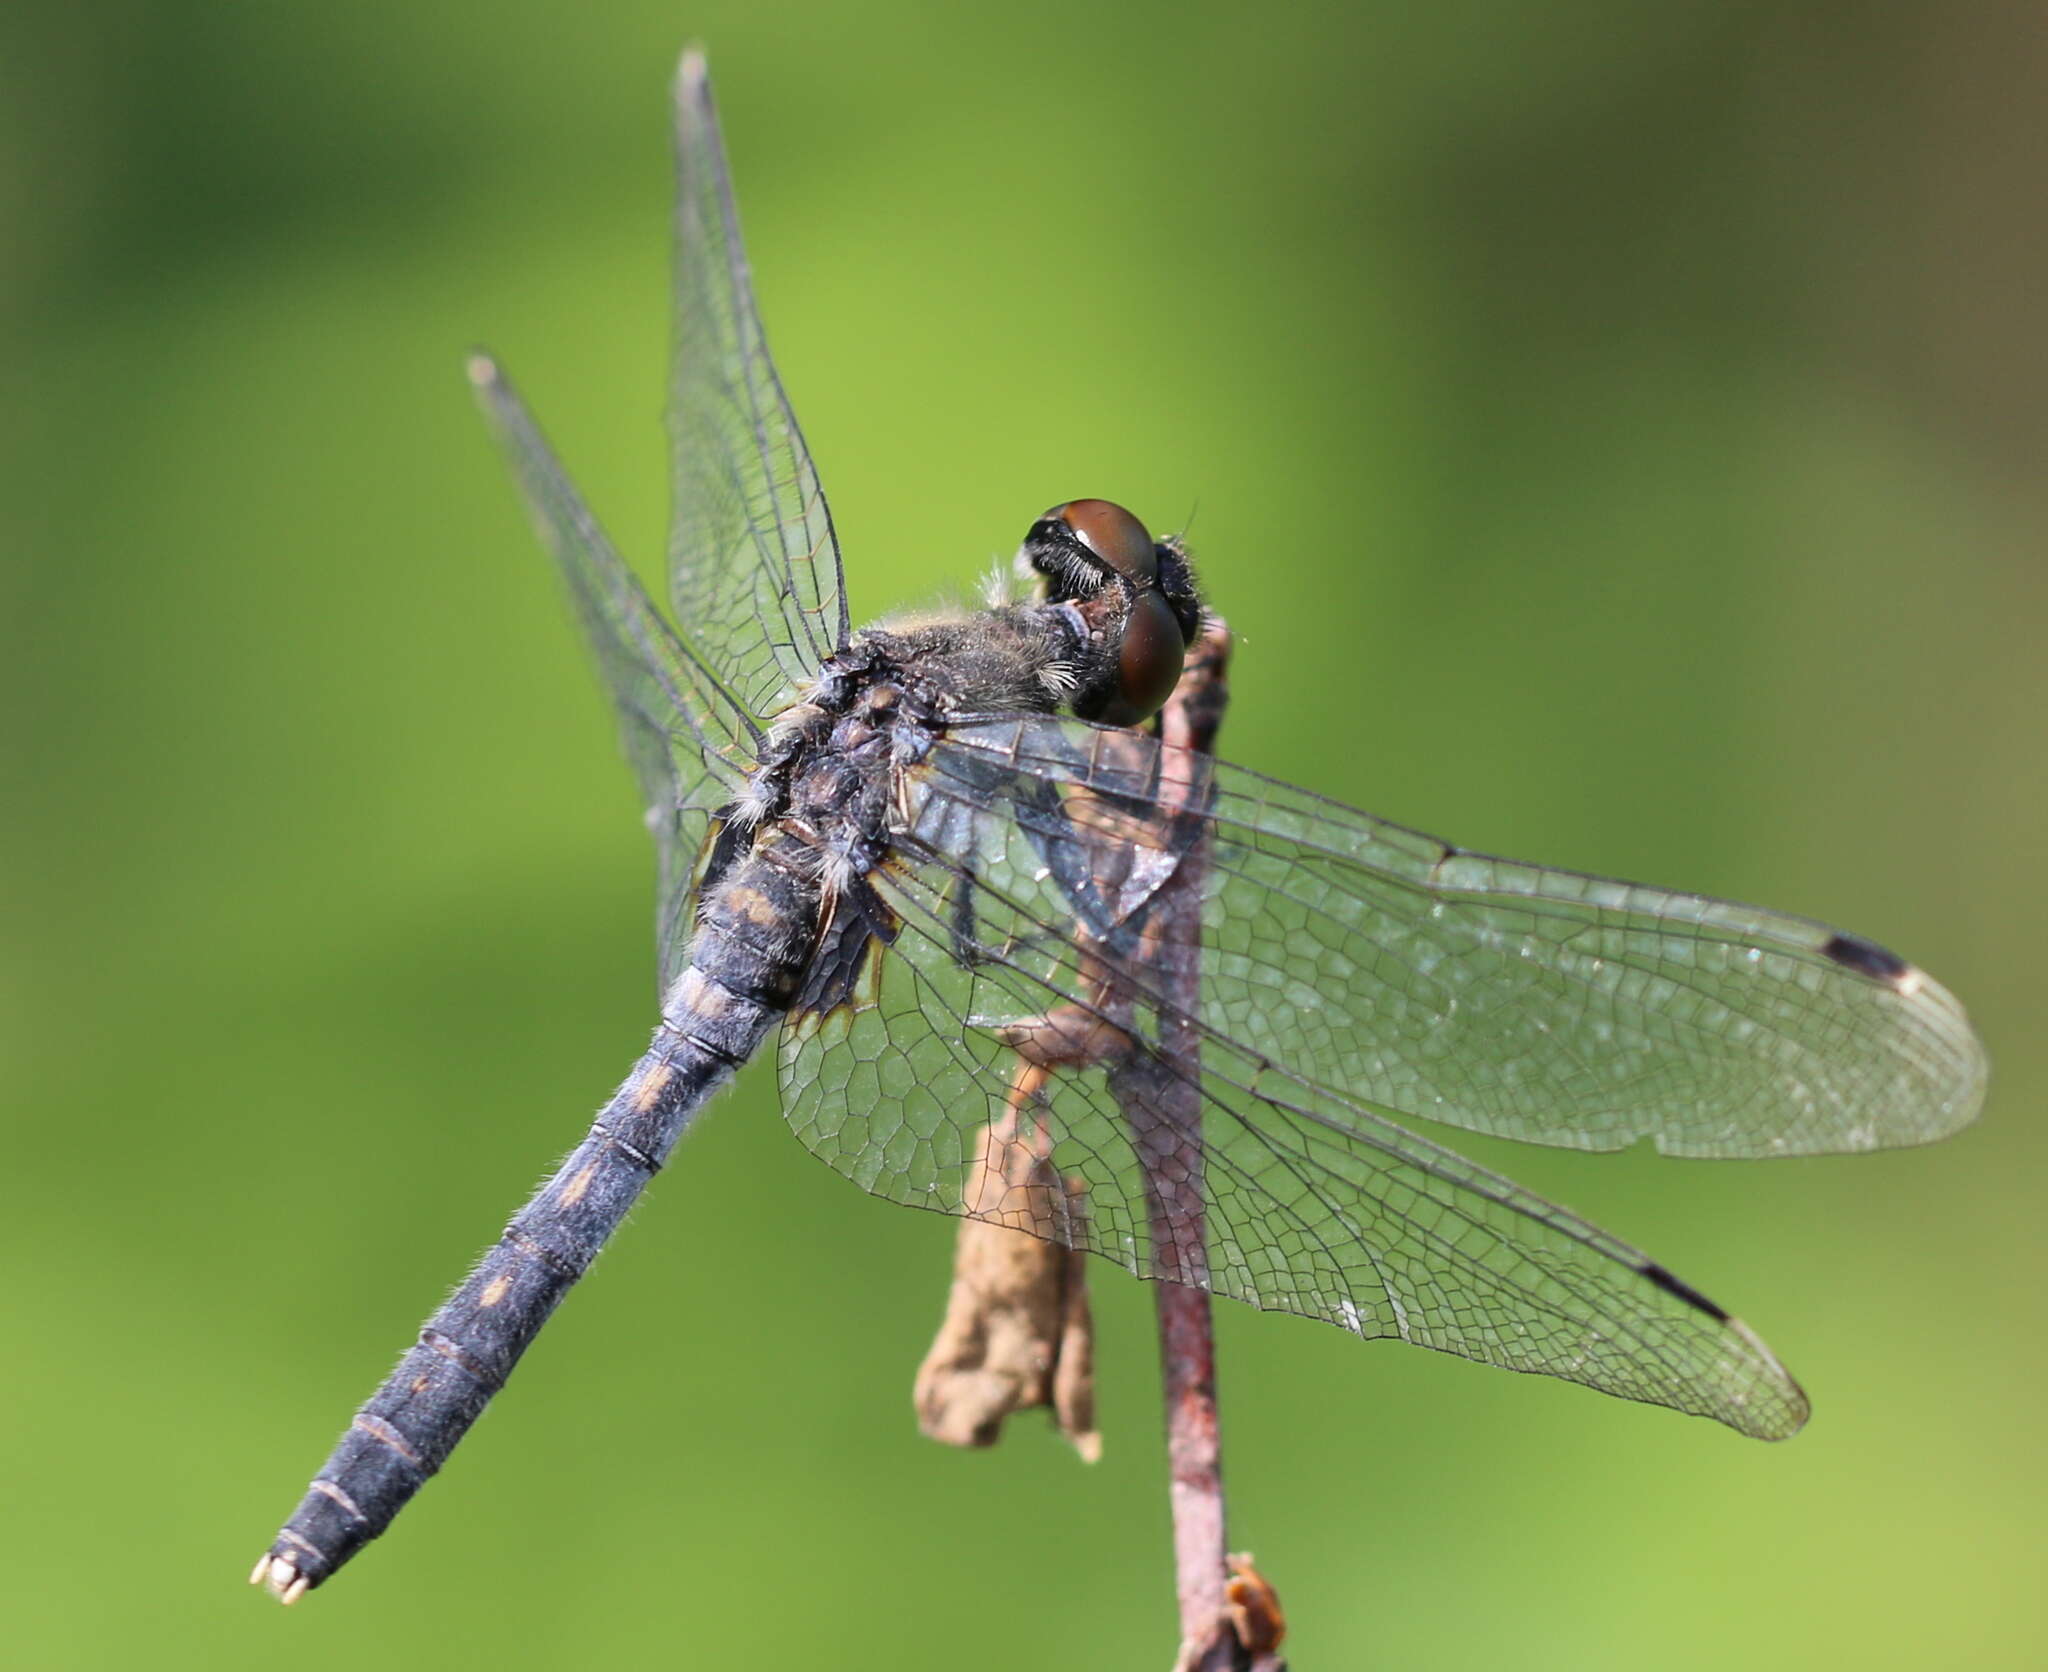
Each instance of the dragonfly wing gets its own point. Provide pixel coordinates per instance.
(1386, 968)
(1308, 1203)
(689, 746)
(754, 571)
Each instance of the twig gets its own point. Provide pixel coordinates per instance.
(1229, 1621)
(1016, 1333)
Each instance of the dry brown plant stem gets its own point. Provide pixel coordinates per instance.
(1163, 1105)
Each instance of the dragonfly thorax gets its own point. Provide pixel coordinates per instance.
(1104, 636)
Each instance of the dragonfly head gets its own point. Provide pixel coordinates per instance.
(1138, 593)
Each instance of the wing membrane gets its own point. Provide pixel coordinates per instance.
(754, 572)
(1309, 1204)
(688, 745)
(1387, 968)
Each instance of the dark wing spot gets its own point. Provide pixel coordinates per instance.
(1684, 1291)
(1866, 958)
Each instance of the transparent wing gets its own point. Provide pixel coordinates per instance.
(690, 748)
(1293, 1198)
(1387, 968)
(1342, 967)
(754, 571)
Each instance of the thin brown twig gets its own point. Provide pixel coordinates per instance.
(1226, 1618)
(1017, 1331)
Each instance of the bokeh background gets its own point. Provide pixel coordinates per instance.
(1615, 431)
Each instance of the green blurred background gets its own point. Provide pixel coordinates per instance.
(1616, 432)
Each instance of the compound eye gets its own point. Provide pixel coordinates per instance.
(1148, 663)
(1115, 536)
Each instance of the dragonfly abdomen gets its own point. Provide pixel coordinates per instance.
(753, 939)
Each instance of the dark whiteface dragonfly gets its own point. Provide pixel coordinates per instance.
(929, 860)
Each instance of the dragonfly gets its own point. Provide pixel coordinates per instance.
(930, 861)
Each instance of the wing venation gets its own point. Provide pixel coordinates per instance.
(754, 569)
(1396, 970)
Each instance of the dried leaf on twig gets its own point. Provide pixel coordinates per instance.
(1017, 1332)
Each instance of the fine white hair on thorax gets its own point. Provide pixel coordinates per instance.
(1060, 679)
(1005, 584)
(943, 613)
(750, 806)
(1026, 583)
(837, 869)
